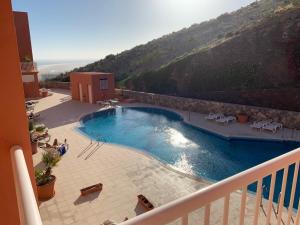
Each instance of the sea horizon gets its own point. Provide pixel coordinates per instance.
(49, 68)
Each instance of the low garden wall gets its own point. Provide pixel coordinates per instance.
(55, 84)
(284, 99)
(289, 119)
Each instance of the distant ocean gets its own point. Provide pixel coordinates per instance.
(52, 68)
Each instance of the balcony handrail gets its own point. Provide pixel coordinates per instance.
(28, 209)
(181, 207)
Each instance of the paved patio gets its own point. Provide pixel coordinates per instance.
(124, 172)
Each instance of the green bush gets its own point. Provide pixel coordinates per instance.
(30, 125)
(50, 159)
(40, 127)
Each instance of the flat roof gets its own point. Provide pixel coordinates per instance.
(20, 12)
(91, 73)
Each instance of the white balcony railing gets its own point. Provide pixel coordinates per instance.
(28, 209)
(181, 209)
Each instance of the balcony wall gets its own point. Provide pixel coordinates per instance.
(30, 79)
(23, 35)
(56, 84)
(13, 120)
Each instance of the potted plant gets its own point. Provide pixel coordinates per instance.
(44, 179)
(27, 58)
(30, 126)
(40, 128)
(40, 132)
(33, 140)
(34, 144)
(242, 117)
(44, 92)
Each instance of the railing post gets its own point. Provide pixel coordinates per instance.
(226, 209)
(282, 196)
(207, 214)
(271, 194)
(291, 204)
(243, 205)
(28, 209)
(279, 199)
(257, 201)
(185, 220)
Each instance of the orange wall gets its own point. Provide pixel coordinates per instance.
(94, 80)
(103, 94)
(23, 35)
(31, 90)
(85, 80)
(14, 125)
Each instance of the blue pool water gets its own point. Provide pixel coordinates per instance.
(165, 136)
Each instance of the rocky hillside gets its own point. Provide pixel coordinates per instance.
(266, 55)
(156, 53)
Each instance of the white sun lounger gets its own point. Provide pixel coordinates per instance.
(214, 116)
(113, 101)
(104, 103)
(260, 124)
(273, 127)
(279, 125)
(30, 107)
(226, 119)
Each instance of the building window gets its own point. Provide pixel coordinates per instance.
(104, 84)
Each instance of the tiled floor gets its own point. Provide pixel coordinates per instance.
(125, 173)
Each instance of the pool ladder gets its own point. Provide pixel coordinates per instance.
(93, 147)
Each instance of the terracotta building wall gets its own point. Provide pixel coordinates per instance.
(31, 89)
(14, 124)
(103, 94)
(23, 35)
(73, 86)
(84, 80)
(92, 79)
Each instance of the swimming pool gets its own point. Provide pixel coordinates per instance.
(165, 136)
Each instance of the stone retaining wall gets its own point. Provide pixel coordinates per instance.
(283, 99)
(290, 119)
(55, 84)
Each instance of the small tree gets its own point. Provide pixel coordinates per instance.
(50, 159)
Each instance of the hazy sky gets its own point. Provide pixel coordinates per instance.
(91, 29)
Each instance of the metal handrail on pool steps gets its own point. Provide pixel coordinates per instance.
(203, 199)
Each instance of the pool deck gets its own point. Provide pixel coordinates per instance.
(124, 172)
(232, 130)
